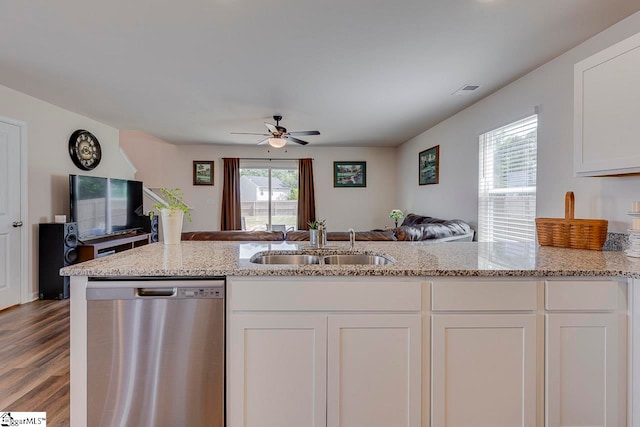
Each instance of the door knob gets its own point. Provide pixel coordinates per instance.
(17, 224)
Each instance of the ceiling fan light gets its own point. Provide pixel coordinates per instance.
(277, 142)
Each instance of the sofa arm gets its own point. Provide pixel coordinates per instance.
(234, 235)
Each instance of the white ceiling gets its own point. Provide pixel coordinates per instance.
(362, 72)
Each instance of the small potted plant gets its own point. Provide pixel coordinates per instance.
(313, 231)
(396, 214)
(172, 214)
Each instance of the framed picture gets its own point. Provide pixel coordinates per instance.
(202, 172)
(429, 166)
(349, 174)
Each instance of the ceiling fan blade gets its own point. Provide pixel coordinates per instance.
(296, 140)
(264, 141)
(272, 128)
(249, 133)
(304, 132)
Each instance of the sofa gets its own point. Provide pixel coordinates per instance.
(413, 228)
(277, 236)
(417, 228)
(343, 236)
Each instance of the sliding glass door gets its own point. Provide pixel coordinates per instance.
(269, 195)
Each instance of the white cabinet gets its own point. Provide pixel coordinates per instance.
(458, 352)
(585, 369)
(486, 347)
(324, 353)
(277, 371)
(374, 370)
(586, 364)
(484, 370)
(606, 111)
(290, 370)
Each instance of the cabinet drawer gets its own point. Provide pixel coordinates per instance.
(583, 295)
(319, 295)
(511, 295)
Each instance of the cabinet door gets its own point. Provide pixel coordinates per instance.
(277, 374)
(374, 364)
(606, 126)
(483, 370)
(585, 362)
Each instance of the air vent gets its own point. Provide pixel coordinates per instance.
(467, 89)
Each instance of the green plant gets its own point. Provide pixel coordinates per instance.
(173, 198)
(396, 214)
(313, 225)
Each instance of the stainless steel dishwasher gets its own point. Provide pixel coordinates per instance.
(155, 353)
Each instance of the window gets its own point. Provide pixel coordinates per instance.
(507, 193)
(269, 194)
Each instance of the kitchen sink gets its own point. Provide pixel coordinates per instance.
(360, 259)
(288, 259)
(336, 259)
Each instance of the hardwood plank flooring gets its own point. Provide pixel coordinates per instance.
(34, 359)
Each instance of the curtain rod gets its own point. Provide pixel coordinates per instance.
(265, 158)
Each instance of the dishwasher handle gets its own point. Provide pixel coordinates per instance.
(156, 292)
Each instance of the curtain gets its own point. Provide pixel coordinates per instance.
(306, 194)
(231, 215)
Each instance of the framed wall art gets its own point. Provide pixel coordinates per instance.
(429, 166)
(202, 172)
(349, 174)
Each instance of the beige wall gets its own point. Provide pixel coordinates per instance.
(49, 165)
(549, 87)
(161, 164)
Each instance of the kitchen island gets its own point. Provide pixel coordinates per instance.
(449, 334)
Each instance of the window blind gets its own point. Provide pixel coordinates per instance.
(507, 190)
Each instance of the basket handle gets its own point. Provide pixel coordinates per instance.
(569, 205)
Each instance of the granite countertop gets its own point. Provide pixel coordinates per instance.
(198, 259)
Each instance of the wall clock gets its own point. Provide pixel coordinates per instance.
(84, 149)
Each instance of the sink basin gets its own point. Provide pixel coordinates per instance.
(289, 259)
(361, 259)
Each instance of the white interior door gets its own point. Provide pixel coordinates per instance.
(10, 238)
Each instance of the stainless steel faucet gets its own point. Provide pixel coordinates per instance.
(352, 239)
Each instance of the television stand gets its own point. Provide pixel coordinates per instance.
(108, 246)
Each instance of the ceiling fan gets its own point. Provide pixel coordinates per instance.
(278, 135)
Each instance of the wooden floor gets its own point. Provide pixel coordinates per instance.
(34, 360)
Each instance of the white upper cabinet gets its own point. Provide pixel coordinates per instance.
(607, 111)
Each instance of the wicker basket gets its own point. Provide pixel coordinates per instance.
(572, 233)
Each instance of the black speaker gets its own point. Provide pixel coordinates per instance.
(57, 249)
(150, 225)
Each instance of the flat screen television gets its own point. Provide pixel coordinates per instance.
(105, 206)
